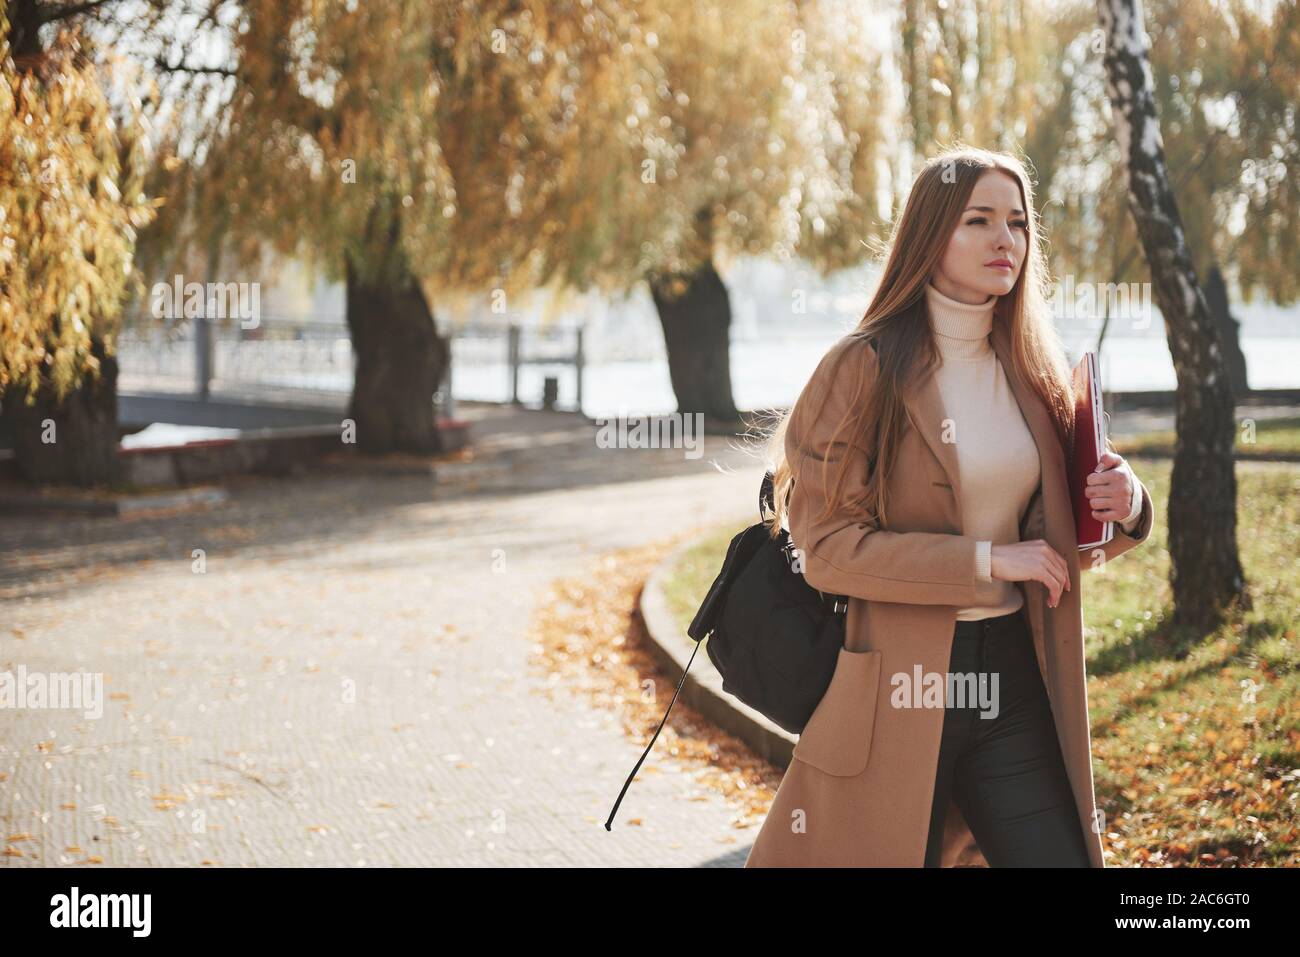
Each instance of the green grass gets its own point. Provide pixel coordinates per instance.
(1255, 437)
(688, 582)
(1196, 739)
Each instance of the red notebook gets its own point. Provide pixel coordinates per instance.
(1089, 444)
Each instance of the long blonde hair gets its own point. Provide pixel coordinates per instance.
(898, 320)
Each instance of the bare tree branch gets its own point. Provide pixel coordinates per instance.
(49, 14)
(166, 67)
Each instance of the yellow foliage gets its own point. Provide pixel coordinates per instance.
(70, 204)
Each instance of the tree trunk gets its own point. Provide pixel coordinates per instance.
(1206, 572)
(1216, 296)
(25, 19)
(400, 361)
(74, 442)
(695, 313)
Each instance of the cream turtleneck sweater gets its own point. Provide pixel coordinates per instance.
(995, 450)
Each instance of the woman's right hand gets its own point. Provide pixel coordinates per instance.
(1034, 560)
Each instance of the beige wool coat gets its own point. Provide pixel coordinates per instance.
(858, 791)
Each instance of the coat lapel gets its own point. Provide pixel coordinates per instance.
(1058, 515)
(925, 407)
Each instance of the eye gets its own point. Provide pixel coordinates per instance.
(983, 221)
(1022, 224)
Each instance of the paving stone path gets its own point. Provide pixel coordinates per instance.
(333, 669)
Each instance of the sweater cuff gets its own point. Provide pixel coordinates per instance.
(984, 560)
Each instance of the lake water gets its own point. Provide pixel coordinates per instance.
(771, 373)
(774, 346)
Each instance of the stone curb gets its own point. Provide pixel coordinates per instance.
(672, 648)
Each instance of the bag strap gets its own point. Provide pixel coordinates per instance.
(838, 604)
(628, 782)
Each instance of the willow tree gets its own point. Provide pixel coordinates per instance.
(979, 71)
(741, 183)
(780, 105)
(412, 150)
(71, 167)
(323, 148)
(729, 128)
(744, 152)
(842, 50)
(684, 133)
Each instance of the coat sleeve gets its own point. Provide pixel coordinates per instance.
(1122, 541)
(842, 554)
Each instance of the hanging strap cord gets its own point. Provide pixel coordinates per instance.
(628, 782)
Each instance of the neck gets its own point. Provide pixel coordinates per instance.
(961, 330)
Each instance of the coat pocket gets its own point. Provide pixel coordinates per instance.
(837, 738)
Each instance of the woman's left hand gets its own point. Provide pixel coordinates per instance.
(1110, 488)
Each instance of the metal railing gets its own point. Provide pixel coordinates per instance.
(289, 359)
(277, 356)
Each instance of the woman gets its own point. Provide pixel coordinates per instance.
(925, 466)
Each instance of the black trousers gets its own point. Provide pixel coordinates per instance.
(1004, 771)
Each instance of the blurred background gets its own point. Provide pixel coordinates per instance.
(309, 311)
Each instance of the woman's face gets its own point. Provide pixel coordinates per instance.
(992, 229)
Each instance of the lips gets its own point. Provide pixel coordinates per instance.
(1000, 264)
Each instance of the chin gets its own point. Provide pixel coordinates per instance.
(999, 287)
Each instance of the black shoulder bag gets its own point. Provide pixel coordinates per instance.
(773, 637)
